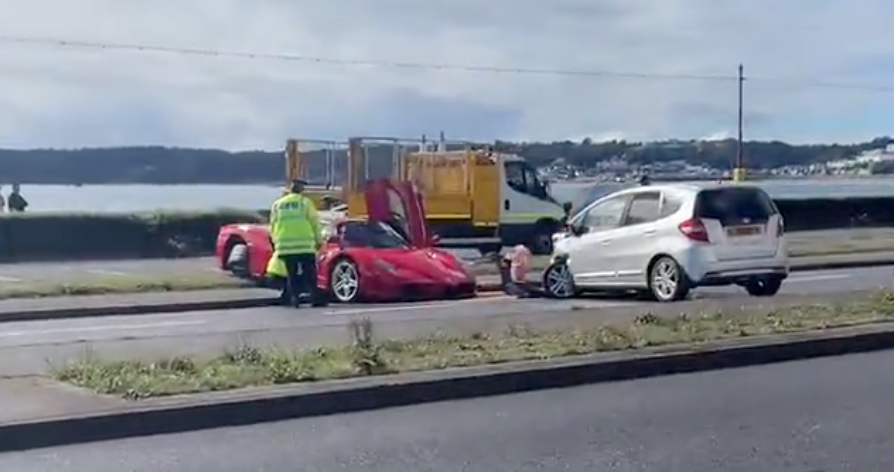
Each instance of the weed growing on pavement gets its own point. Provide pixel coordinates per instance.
(366, 355)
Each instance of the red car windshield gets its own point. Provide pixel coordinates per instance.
(374, 235)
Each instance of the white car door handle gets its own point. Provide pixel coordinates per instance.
(605, 241)
(650, 232)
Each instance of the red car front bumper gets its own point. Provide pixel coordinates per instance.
(415, 291)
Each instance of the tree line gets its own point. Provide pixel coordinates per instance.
(163, 165)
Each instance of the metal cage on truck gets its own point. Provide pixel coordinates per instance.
(468, 198)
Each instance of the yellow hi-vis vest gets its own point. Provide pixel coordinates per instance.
(294, 225)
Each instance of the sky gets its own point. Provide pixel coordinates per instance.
(52, 96)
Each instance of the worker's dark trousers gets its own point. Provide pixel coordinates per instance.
(303, 281)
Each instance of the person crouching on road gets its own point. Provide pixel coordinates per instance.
(295, 230)
(514, 267)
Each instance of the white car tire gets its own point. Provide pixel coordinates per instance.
(558, 281)
(667, 280)
(764, 287)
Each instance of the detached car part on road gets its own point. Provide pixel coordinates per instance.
(388, 257)
(669, 239)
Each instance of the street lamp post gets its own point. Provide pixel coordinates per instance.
(739, 169)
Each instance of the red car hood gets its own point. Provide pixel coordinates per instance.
(425, 263)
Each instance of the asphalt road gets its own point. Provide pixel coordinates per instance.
(824, 415)
(29, 347)
(880, 239)
(72, 270)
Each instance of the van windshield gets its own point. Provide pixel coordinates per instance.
(735, 205)
(521, 177)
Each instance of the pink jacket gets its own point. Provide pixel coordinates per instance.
(520, 259)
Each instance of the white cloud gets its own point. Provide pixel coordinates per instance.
(719, 136)
(609, 136)
(75, 97)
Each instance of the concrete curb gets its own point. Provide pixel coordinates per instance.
(485, 287)
(227, 409)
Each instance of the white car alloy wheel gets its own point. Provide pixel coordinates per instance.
(344, 281)
(667, 282)
(558, 281)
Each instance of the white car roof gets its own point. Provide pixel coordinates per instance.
(689, 187)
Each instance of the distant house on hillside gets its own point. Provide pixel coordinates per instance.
(861, 163)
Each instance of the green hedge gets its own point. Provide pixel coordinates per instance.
(45, 236)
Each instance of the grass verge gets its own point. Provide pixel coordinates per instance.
(179, 282)
(365, 355)
(842, 249)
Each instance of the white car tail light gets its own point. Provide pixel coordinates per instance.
(695, 230)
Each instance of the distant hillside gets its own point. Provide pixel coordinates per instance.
(176, 165)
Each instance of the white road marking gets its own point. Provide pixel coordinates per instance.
(817, 278)
(458, 303)
(588, 305)
(419, 306)
(9, 279)
(108, 272)
(119, 327)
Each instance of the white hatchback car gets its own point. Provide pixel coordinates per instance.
(667, 239)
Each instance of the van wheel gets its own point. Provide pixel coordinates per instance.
(489, 249)
(667, 281)
(344, 281)
(541, 243)
(763, 286)
(558, 281)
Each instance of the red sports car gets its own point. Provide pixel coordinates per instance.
(388, 257)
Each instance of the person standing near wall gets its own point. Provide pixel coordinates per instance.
(17, 203)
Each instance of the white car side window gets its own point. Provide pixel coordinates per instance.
(605, 215)
(645, 208)
(670, 204)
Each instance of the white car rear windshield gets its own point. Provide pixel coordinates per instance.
(734, 205)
